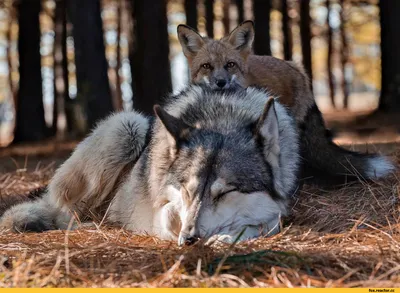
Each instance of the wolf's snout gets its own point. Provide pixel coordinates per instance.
(188, 237)
(187, 240)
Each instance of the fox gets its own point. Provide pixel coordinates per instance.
(230, 62)
(209, 165)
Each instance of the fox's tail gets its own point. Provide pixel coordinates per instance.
(84, 185)
(327, 163)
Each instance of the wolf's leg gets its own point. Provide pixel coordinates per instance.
(250, 232)
(89, 177)
(36, 216)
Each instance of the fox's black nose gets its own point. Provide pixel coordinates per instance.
(221, 83)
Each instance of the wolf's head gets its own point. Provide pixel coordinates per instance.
(230, 165)
(221, 64)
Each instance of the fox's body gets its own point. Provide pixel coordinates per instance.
(229, 63)
(216, 163)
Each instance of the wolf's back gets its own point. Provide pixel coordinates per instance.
(84, 183)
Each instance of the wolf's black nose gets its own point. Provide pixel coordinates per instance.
(187, 240)
(221, 83)
(190, 240)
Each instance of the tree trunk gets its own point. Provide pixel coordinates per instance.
(191, 13)
(90, 60)
(59, 82)
(9, 59)
(150, 61)
(209, 18)
(390, 48)
(329, 58)
(118, 102)
(30, 122)
(226, 19)
(262, 40)
(240, 10)
(305, 35)
(287, 32)
(344, 56)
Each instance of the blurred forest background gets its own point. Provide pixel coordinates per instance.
(65, 64)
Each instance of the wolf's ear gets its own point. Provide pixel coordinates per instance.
(242, 37)
(267, 129)
(190, 40)
(277, 132)
(177, 129)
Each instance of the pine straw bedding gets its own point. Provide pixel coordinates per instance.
(347, 237)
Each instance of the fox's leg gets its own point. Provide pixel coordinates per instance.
(84, 183)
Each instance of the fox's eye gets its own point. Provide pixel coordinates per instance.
(230, 64)
(206, 66)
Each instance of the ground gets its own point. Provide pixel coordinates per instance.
(347, 236)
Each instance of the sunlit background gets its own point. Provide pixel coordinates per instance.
(361, 70)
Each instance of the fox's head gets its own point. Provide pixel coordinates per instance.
(229, 165)
(221, 64)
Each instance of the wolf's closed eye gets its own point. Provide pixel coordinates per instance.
(222, 194)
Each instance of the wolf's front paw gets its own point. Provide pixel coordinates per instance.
(224, 238)
(247, 233)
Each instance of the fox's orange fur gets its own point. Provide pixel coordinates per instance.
(283, 79)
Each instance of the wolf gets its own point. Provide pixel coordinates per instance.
(229, 62)
(212, 165)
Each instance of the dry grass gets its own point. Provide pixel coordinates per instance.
(348, 237)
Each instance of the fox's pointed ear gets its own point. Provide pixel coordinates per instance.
(177, 129)
(190, 40)
(277, 132)
(242, 37)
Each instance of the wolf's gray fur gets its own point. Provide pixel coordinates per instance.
(216, 163)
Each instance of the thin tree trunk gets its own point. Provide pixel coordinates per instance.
(56, 101)
(191, 13)
(240, 10)
(59, 90)
(9, 61)
(287, 32)
(118, 102)
(262, 39)
(67, 101)
(226, 19)
(30, 122)
(150, 61)
(209, 18)
(390, 48)
(331, 81)
(305, 35)
(344, 56)
(90, 60)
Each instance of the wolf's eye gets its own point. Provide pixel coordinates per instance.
(206, 66)
(222, 194)
(230, 64)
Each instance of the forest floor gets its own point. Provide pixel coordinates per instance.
(344, 237)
